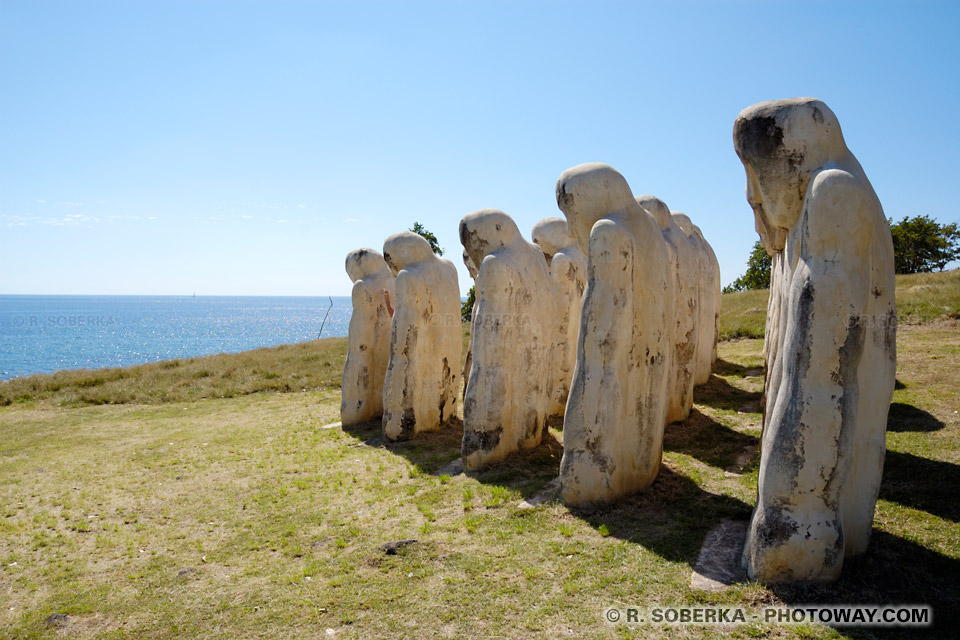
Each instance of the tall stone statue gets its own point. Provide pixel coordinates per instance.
(368, 341)
(613, 428)
(514, 325)
(568, 271)
(708, 282)
(472, 270)
(684, 263)
(420, 389)
(832, 369)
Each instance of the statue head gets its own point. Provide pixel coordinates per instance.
(657, 208)
(781, 144)
(361, 263)
(683, 221)
(588, 192)
(552, 235)
(483, 232)
(404, 249)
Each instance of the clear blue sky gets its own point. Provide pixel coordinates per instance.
(171, 147)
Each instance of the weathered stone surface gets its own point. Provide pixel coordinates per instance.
(708, 290)
(684, 268)
(832, 357)
(472, 270)
(568, 271)
(718, 565)
(613, 427)
(513, 332)
(368, 341)
(420, 389)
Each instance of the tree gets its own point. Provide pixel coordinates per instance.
(421, 231)
(466, 308)
(922, 245)
(757, 275)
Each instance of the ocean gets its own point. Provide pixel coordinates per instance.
(43, 334)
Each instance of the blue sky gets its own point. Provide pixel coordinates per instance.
(168, 147)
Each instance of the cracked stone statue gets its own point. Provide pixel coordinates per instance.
(422, 381)
(368, 341)
(683, 267)
(472, 270)
(613, 427)
(832, 356)
(708, 281)
(568, 271)
(505, 406)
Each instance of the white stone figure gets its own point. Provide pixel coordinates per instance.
(615, 416)
(420, 390)
(468, 362)
(368, 341)
(708, 283)
(568, 271)
(504, 410)
(684, 269)
(833, 366)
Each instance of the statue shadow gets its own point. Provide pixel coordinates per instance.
(727, 368)
(720, 394)
(671, 517)
(893, 571)
(906, 417)
(921, 483)
(709, 441)
(437, 452)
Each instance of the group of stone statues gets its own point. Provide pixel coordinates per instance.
(608, 319)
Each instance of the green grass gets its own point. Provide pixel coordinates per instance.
(921, 298)
(308, 366)
(169, 512)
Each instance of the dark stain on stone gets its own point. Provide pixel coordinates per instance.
(775, 528)
(846, 377)
(758, 138)
(407, 424)
(474, 441)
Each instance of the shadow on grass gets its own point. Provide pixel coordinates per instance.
(525, 472)
(921, 483)
(725, 368)
(906, 417)
(707, 440)
(720, 394)
(893, 571)
(671, 517)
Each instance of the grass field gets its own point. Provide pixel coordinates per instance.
(180, 501)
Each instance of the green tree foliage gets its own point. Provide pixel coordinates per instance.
(922, 245)
(422, 231)
(757, 275)
(466, 308)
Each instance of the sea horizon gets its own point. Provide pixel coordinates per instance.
(46, 333)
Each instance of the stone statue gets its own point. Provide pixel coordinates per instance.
(683, 261)
(568, 271)
(708, 282)
(368, 341)
(832, 370)
(472, 270)
(613, 427)
(420, 390)
(513, 334)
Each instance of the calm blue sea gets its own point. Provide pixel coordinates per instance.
(42, 334)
